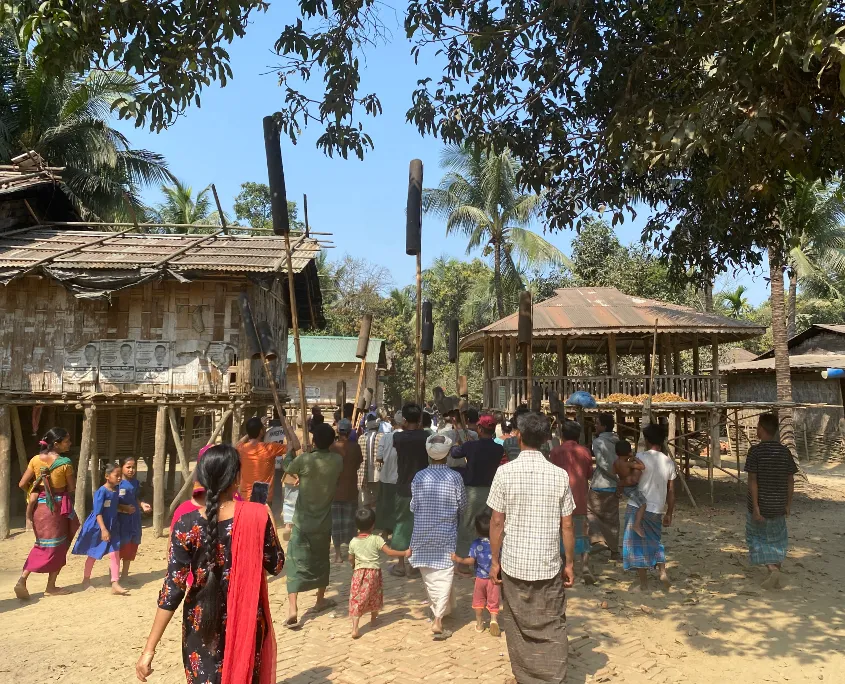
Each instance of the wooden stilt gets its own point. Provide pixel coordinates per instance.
(180, 452)
(158, 470)
(17, 433)
(294, 317)
(94, 460)
(188, 435)
(5, 471)
(736, 444)
(85, 449)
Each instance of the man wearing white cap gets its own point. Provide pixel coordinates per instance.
(438, 499)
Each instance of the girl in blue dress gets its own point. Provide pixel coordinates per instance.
(130, 523)
(100, 535)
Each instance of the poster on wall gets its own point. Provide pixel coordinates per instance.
(81, 364)
(117, 360)
(312, 394)
(223, 355)
(152, 362)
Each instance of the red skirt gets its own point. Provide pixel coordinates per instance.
(367, 593)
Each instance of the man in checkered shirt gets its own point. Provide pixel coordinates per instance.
(438, 499)
(532, 508)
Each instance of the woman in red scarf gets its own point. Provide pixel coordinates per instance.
(228, 545)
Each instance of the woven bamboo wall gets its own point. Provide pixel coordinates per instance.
(41, 322)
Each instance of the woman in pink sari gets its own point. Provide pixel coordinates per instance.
(229, 546)
(49, 477)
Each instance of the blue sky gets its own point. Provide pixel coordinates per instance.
(361, 202)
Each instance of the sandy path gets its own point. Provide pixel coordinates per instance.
(715, 625)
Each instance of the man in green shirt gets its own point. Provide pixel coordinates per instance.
(308, 565)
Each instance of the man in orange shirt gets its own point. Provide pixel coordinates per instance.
(258, 458)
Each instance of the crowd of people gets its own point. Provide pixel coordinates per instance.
(504, 502)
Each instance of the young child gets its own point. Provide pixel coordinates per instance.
(100, 534)
(486, 593)
(366, 594)
(129, 523)
(630, 469)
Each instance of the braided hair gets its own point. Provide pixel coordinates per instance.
(54, 435)
(217, 471)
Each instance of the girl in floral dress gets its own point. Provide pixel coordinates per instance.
(229, 583)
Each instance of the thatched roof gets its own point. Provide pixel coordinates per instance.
(585, 316)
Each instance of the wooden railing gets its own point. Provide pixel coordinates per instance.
(507, 392)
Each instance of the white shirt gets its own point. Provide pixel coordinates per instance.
(659, 470)
(387, 454)
(276, 434)
(534, 495)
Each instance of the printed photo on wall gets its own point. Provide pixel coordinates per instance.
(223, 355)
(81, 364)
(117, 360)
(152, 362)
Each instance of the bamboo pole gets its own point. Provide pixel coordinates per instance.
(84, 458)
(294, 315)
(5, 472)
(417, 363)
(94, 460)
(20, 446)
(220, 210)
(361, 372)
(715, 446)
(736, 440)
(158, 471)
(180, 452)
(646, 414)
(188, 437)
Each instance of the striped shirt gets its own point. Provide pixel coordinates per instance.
(438, 498)
(773, 464)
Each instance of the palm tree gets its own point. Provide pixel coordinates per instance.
(736, 302)
(479, 197)
(813, 219)
(64, 118)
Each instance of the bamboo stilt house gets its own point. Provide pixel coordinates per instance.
(133, 340)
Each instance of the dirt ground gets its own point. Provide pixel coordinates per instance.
(715, 625)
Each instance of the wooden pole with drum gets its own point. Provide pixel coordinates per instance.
(281, 226)
(525, 332)
(413, 247)
(426, 343)
(361, 353)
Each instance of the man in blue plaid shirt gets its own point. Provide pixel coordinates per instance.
(438, 499)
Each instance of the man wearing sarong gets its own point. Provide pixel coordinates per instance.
(368, 476)
(771, 482)
(532, 509)
(603, 504)
(657, 485)
(345, 502)
(308, 552)
(386, 458)
(483, 457)
(411, 458)
(577, 461)
(438, 500)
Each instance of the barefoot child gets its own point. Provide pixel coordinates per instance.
(486, 593)
(100, 535)
(366, 594)
(630, 470)
(129, 524)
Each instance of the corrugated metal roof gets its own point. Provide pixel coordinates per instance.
(812, 331)
(796, 362)
(577, 312)
(224, 253)
(331, 349)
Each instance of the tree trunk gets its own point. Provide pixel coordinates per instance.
(791, 303)
(783, 378)
(497, 279)
(708, 295)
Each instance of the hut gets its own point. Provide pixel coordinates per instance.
(819, 426)
(329, 360)
(617, 331)
(134, 340)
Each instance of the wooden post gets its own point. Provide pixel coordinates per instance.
(417, 359)
(294, 316)
(736, 444)
(5, 471)
(715, 446)
(94, 460)
(17, 432)
(188, 437)
(485, 370)
(612, 362)
(362, 370)
(85, 449)
(180, 451)
(512, 384)
(158, 470)
(716, 389)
